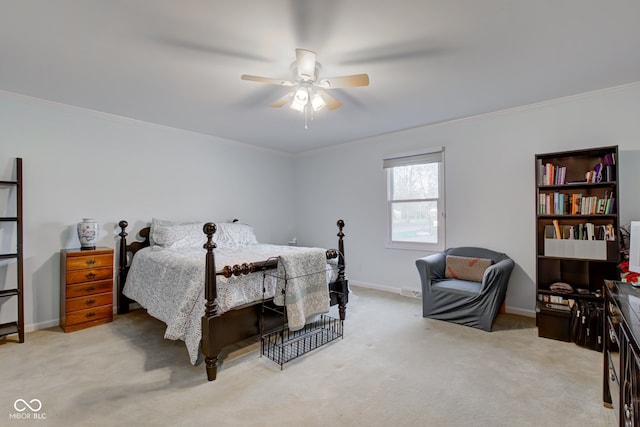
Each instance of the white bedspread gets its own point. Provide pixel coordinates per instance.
(169, 284)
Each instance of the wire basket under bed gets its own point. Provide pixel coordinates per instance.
(283, 345)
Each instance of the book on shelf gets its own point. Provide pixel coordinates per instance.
(562, 175)
(610, 205)
(549, 232)
(575, 203)
(591, 231)
(609, 173)
(552, 174)
(557, 203)
(555, 301)
(584, 231)
(609, 159)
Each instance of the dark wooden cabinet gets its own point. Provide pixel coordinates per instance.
(621, 368)
(86, 288)
(577, 232)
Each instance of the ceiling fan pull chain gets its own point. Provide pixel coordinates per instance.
(306, 115)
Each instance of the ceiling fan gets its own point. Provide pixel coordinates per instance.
(310, 91)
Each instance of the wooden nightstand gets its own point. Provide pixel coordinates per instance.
(86, 288)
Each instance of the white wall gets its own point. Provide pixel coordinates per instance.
(79, 163)
(490, 193)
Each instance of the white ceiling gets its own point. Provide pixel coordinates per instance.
(178, 63)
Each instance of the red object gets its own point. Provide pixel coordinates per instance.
(627, 275)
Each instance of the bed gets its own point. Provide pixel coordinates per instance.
(171, 272)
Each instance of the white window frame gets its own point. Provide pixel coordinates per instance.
(434, 155)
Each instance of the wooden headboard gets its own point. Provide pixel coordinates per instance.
(124, 260)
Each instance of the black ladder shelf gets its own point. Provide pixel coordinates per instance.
(17, 326)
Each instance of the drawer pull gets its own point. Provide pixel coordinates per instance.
(90, 261)
(90, 288)
(90, 302)
(89, 315)
(90, 276)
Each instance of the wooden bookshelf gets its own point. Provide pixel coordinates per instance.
(577, 231)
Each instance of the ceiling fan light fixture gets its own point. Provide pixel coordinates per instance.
(317, 101)
(300, 99)
(309, 93)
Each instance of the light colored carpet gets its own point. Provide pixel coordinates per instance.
(393, 368)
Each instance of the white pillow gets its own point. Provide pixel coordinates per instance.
(173, 235)
(155, 226)
(232, 234)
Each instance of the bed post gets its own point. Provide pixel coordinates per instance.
(123, 301)
(210, 343)
(343, 297)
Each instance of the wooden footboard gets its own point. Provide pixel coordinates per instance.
(213, 337)
(220, 330)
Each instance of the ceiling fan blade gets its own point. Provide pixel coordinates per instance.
(206, 48)
(345, 81)
(408, 50)
(306, 64)
(332, 103)
(282, 101)
(266, 80)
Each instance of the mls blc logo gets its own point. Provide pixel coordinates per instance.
(27, 410)
(21, 405)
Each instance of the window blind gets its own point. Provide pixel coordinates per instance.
(434, 156)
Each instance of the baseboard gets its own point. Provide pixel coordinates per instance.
(411, 293)
(417, 294)
(520, 311)
(404, 292)
(41, 325)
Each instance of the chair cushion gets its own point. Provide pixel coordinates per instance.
(465, 287)
(466, 268)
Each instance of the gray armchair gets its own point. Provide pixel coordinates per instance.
(461, 301)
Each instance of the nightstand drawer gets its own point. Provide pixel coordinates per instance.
(88, 315)
(90, 301)
(91, 288)
(94, 261)
(90, 275)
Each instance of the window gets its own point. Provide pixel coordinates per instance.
(415, 201)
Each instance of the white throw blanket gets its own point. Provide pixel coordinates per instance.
(307, 292)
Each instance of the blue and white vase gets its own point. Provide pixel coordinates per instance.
(88, 233)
